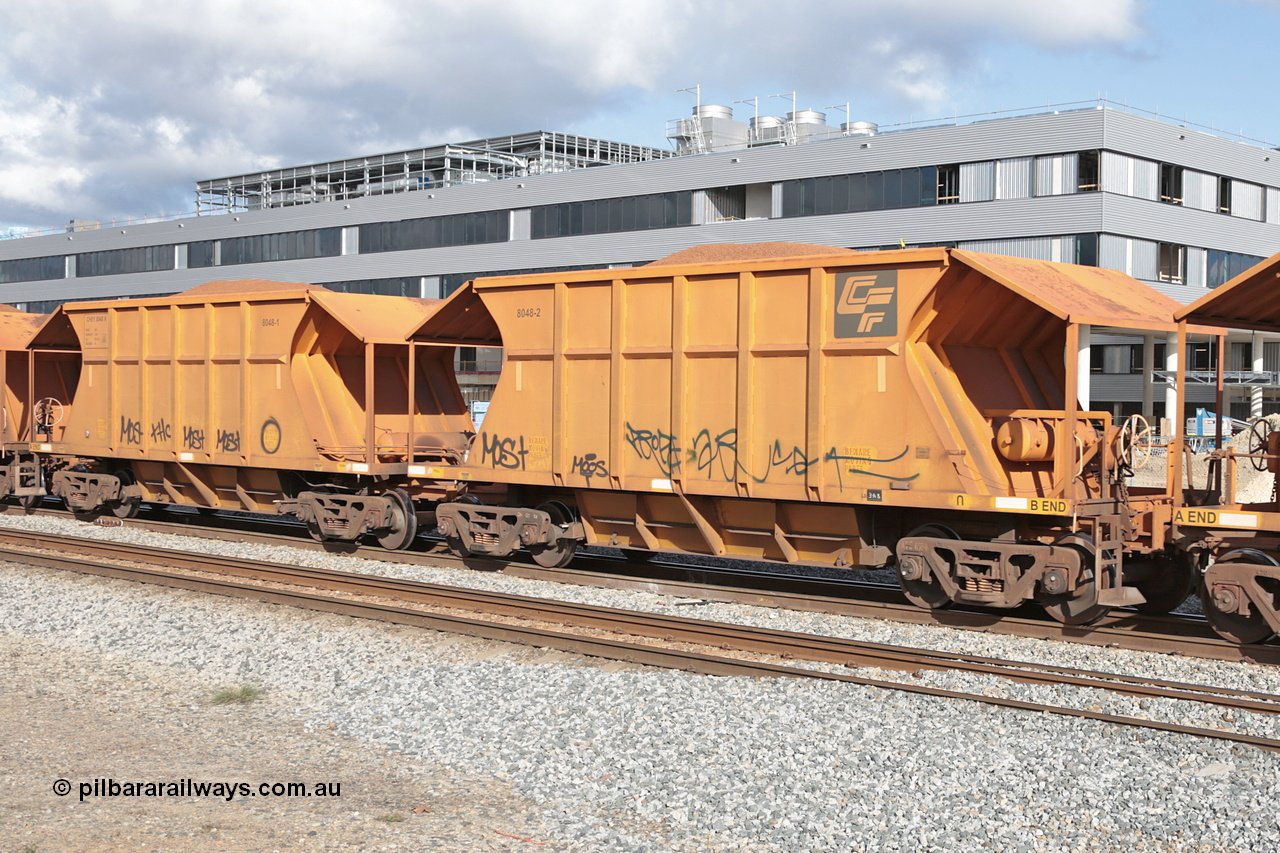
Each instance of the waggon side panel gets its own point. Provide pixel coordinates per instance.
(16, 330)
(260, 379)
(872, 378)
(197, 383)
(742, 348)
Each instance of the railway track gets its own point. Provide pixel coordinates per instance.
(645, 638)
(1169, 634)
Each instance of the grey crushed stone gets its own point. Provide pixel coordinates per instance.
(643, 760)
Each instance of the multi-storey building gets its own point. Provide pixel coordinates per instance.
(1180, 208)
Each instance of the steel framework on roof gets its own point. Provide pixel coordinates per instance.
(498, 158)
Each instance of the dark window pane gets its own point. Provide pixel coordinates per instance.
(791, 199)
(33, 269)
(122, 261)
(858, 197)
(929, 185)
(822, 196)
(1087, 249)
(875, 191)
(892, 189)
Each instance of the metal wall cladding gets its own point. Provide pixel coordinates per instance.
(1130, 176)
(1056, 174)
(1197, 267)
(1246, 200)
(1014, 177)
(1039, 248)
(1144, 259)
(1131, 146)
(978, 181)
(1171, 223)
(1199, 190)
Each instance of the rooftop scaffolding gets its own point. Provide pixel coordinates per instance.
(499, 158)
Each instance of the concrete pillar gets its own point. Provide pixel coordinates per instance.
(1171, 412)
(1259, 365)
(1083, 367)
(1148, 378)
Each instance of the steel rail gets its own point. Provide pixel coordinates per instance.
(1133, 631)
(598, 647)
(698, 632)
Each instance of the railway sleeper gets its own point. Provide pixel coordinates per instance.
(999, 574)
(343, 517)
(498, 531)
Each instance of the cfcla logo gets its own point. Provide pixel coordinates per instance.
(867, 304)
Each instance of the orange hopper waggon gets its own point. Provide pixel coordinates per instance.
(255, 396)
(914, 408)
(1236, 543)
(800, 404)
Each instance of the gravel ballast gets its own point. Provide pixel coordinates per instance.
(652, 760)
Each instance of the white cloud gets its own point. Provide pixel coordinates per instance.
(117, 106)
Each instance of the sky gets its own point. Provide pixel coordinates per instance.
(114, 109)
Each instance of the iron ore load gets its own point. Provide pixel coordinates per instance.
(915, 409)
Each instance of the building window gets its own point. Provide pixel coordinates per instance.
(33, 269)
(1202, 355)
(1172, 259)
(1170, 183)
(121, 261)
(463, 229)
(1224, 266)
(1115, 359)
(1087, 171)
(859, 192)
(293, 245)
(378, 286)
(1224, 195)
(200, 254)
(948, 184)
(1241, 356)
(1087, 249)
(611, 215)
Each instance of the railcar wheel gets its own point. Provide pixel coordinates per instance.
(1169, 585)
(561, 553)
(920, 590)
(1236, 627)
(125, 507)
(1080, 607)
(30, 502)
(404, 524)
(313, 529)
(1259, 432)
(1133, 445)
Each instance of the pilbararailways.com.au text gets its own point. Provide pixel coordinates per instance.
(191, 788)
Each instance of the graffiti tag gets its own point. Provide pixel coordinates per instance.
(590, 466)
(193, 438)
(503, 452)
(656, 445)
(130, 431)
(229, 441)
